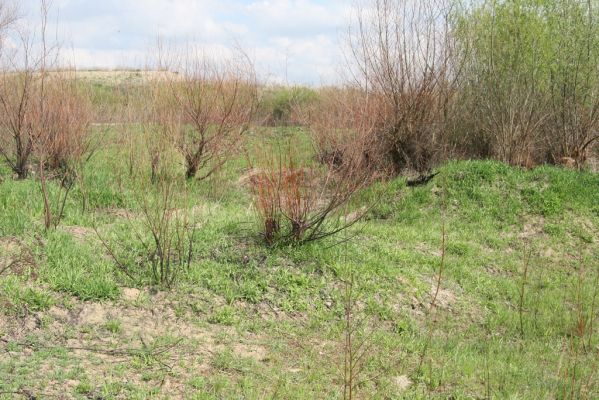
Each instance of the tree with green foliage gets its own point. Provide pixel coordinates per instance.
(531, 76)
(281, 104)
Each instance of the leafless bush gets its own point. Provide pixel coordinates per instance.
(357, 340)
(21, 87)
(160, 126)
(171, 229)
(438, 281)
(215, 103)
(17, 121)
(344, 125)
(504, 112)
(523, 283)
(360, 348)
(131, 140)
(147, 125)
(43, 114)
(62, 140)
(45, 117)
(64, 123)
(402, 53)
(158, 240)
(298, 204)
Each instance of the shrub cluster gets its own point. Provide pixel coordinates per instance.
(299, 202)
(513, 80)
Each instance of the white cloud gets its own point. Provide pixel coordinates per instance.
(103, 59)
(298, 17)
(296, 39)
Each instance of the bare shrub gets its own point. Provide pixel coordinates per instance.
(147, 127)
(171, 229)
(402, 52)
(357, 341)
(215, 103)
(430, 315)
(161, 125)
(44, 118)
(522, 292)
(17, 120)
(62, 142)
(356, 345)
(21, 88)
(132, 139)
(344, 124)
(510, 121)
(360, 348)
(158, 240)
(297, 204)
(64, 121)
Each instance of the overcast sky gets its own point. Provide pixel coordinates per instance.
(297, 40)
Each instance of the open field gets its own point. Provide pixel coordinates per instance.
(426, 227)
(249, 321)
(123, 77)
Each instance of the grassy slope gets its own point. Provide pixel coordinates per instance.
(251, 322)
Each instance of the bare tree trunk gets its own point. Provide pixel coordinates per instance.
(47, 208)
(192, 169)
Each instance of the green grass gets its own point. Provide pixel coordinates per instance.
(19, 299)
(77, 268)
(250, 321)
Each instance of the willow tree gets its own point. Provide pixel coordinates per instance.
(531, 77)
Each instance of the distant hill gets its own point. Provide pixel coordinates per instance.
(117, 77)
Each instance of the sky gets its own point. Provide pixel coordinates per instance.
(290, 41)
